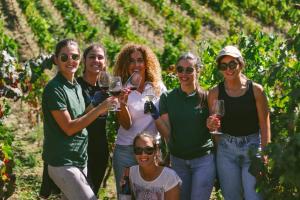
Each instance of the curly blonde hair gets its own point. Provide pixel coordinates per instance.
(153, 70)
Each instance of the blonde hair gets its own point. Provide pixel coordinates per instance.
(153, 70)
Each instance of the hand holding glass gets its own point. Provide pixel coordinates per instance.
(115, 87)
(218, 111)
(149, 94)
(133, 82)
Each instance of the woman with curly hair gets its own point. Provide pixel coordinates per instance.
(134, 58)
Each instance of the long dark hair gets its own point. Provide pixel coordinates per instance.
(91, 47)
(198, 65)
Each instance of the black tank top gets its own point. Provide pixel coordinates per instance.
(240, 117)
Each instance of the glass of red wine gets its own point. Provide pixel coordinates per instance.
(103, 80)
(115, 88)
(134, 81)
(218, 110)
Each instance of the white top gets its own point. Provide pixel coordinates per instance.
(140, 121)
(152, 190)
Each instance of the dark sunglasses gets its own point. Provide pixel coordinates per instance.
(64, 57)
(231, 65)
(146, 150)
(186, 70)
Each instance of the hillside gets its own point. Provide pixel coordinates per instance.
(37, 24)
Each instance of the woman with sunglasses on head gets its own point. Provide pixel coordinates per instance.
(65, 119)
(134, 58)
(184, 111)
(245, 125)
(147, 179)
(94, 62)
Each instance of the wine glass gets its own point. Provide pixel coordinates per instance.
(133, 81)
(115, 87)
(103, 80)
(149, 94)
(218, 111)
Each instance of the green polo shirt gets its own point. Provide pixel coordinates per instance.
(189, 137)
(60, 149)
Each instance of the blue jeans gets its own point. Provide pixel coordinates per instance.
(197, 176)
(123, 157)
(233, 164)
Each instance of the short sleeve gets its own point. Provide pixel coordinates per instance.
(172, 179)
(55, 99)
(163, 108)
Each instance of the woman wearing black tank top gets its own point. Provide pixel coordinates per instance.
(245, 125)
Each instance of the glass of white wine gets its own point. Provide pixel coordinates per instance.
(149, 94)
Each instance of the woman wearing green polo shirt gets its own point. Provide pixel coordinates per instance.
(65, 136)
(182, 122)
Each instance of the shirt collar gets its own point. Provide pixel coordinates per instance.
(63, 80)
(181, 92)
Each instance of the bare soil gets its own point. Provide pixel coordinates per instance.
(18, 28)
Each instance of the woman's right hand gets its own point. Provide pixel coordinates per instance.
(213, 122)
(109, 102)
(123, 97)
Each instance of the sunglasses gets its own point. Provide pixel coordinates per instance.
(186, 70)
(146, 150)
(64, 57)
(231, 65)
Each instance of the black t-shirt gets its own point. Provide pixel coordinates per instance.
(96, 128)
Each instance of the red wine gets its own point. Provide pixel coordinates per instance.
(115, 93)
(133, 88)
